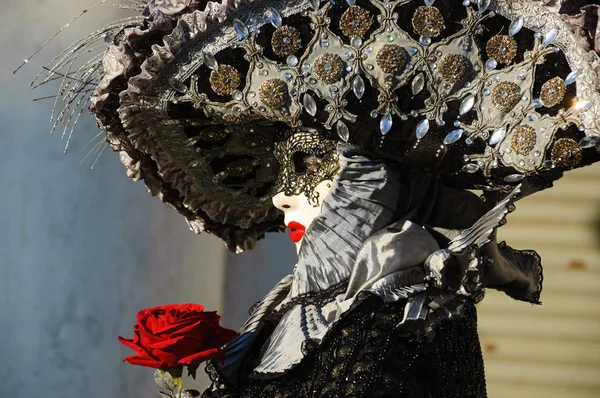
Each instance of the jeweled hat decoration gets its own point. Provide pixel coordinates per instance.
(485, 93)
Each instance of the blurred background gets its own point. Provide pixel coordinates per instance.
(81, 251)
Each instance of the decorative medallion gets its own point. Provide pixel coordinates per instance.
(454, 67)
(273, 93)
(428, 21)
(286, 41)
(523, 140)
(355, 22)
(506, 96)
(553, 92)
(502, 48)
(329, 68)
(240, 168)
(391, 58)
(224, 80)
(566, 153)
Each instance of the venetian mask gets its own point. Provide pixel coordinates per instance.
(308, 164)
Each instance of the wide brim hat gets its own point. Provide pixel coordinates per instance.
(196, 95)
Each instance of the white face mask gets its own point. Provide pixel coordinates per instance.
(299, 211)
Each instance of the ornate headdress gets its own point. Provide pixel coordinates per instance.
(196, 95)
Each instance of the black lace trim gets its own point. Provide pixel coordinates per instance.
(535, 297)
(318, 299)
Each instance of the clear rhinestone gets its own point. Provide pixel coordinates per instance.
(356, 42)
(178, 85)
(514, 177)
(470, 168)
(537, 103)
(314, 4)
(210, 61)
(358, 86)
(429, 3)
(550, 37)
(589, 141)
(572, 77)
(467, 104)
(425, 40)
(422, 128)
(310, 105)
(497, 136)
(385, 124)
(516, 26)
(274, 17)
(483, 5)
(418, 83)
(342, 131)
(237, 95)
(292, 60)
(491, 64)
(453, 136)
(240, 28)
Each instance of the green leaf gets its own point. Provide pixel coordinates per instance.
(159, 379)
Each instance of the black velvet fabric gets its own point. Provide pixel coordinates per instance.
(368, 355)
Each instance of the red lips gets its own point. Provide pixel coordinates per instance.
(297, 231)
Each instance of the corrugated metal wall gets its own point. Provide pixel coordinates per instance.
(552, 350)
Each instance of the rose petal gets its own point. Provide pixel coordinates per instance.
(144, 361)
(214, 353)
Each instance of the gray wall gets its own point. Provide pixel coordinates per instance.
(81, 251)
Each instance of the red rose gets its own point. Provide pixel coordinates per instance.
(176, 335)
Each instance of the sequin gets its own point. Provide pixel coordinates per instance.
(273, 93)
(502, 48)
(566, 153)
(286, 41)
(453, 67)
(391, 58)
(506, 95)
(224, 80)
(553, 92)
(523, 140)
(355, 22)
(428, 21)
(329, 68)
(240, 168)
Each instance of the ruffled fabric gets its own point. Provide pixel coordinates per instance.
(378, 244)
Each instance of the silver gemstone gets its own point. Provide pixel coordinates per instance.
(514, 177)
(210, 61)
(491, 63)
(292, 60)
(470, 168)
(550, 37)
(274, 17)
(572, 77)
(516, 26)
(429, 3)
(537, 103)
(589, 141)
(497, 136)
(356, 42)
(358, 86)
(425, 40)
(453, 136)
(314, 4)
(422, 128)
(342, 131)
(385, 124)
(241, 29)
(350, 2)
(483, 5)
(237, 95)
(178, 85)
(109, 38)
(310, 105)
(418, 83)
(583, 105)
(467, 104)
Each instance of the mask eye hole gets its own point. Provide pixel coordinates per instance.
(305, 163)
